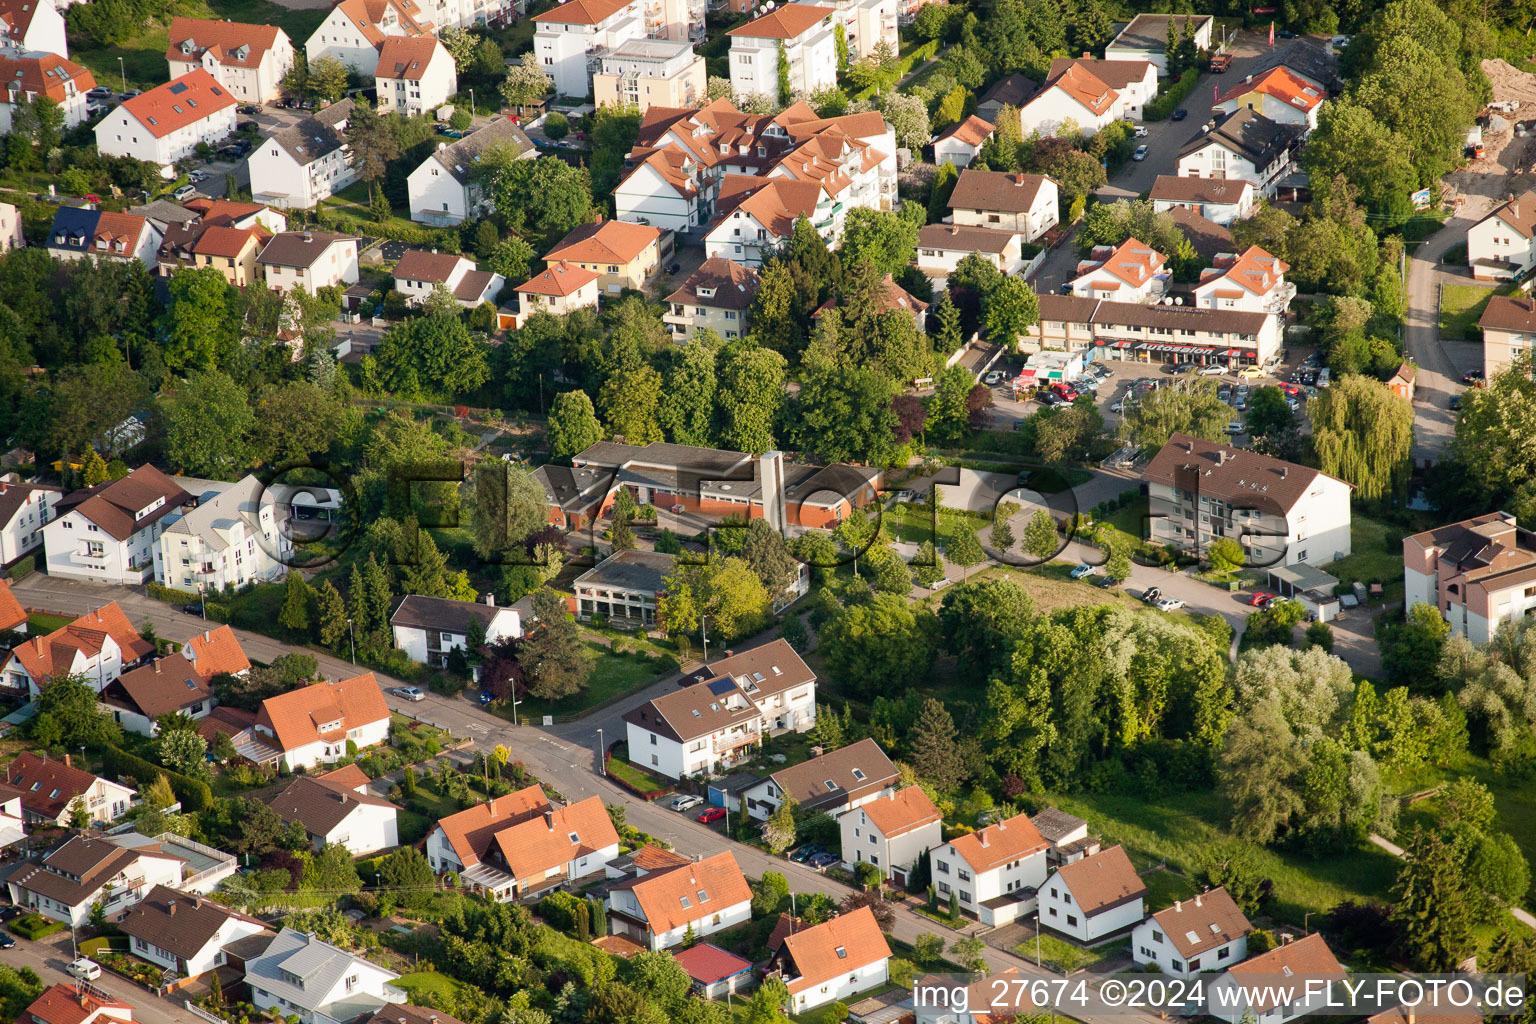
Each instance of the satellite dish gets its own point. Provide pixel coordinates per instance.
(1178, 301)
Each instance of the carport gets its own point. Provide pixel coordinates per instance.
(1312, 587)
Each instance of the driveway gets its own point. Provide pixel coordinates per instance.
(49, 956)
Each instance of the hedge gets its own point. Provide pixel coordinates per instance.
(35, 926)
(194, 794)
(1167, 101)
(170, 595)
(24, 567)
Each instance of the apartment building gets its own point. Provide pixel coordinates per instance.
(1205, 933)
(1281, 513)
(1131, 272)
(994, 872)
(568, 40)
(1176, 334)
(1246, 145)
(108, 532)
(24, 510)
(1499, 246)
(27, 76)
(1480, 573)
(647, 73)
(298, 166)
(1279, 94)
(167, 123)
(227, 537)
(309, 261)
(445, 190)
(1025, 204)
(866, 24)
(1220, 201)
(414, 76)
(804, 33)
(715, 297)
(354, 31)
(248, 60)
(1252, 280)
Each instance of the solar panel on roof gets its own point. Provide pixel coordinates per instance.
(720, 686)
(178, 87)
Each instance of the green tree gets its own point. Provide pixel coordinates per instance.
(948, 409)
(525, 84)
(427, 572)
(1411, 650)
(1040, 539)
(769, 893)
(687, 401)
(1225, 555)
(970, 953)
(1320, 634)
(964, 548)
(1433, 909)
(208, 425)
(547, 197)
(372, 140)
(297, 594)
(927, 566)
(407, 878)
(184, 751)
(936, 754)
(433, 354)
(573, 425)
(629, 402)
(1363, 434)
(1002, 534)
(1010, 310)
(786, 90)
(327, 79)
(749, 397)
(881, 646)
(1268, 412)
(556, 659)
(779, 829)
(885, 240)
(844, 414)
(196, 325)
(512, 258)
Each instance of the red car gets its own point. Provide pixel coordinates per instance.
(1261, 599)
(1290, 389)
(710, 815)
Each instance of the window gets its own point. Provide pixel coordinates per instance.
(943, 867)
(1072, 921)
(944, 890)
(1157, 936)
(1052, 911)
(965, 897)
(1223, 952)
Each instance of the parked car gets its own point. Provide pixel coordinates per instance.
(993, 377)
(101, 92)
(1286, 33)
(1224, 392)
(939, 584)
(677, 509)
(1213, 370)
(674, 268)
(1049, 397)
(1151, 594)
(822, 861)
(184, 193)
(1084, 569)
(1106, 583)
(410, 693)
(84, 969)
(1260, 599)
(1169, 604)
(1472, 377)
(196, 176)
(710, 815)
(6, 942)
(1140, 154)
(1455, 402)
(486, 697)
(1235, 427)
(1099, 370)
(1249, 373)
(10, 913)
(1180, 114)
(131, 93)
(684, 802)
(1141, 131)
(806, 852)
(250, 110)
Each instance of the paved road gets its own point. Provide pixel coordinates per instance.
(48, 957)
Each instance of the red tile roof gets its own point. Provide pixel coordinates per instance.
(223, 211)
(1105, 880)
(471, 831)
(707, 963)
(48, 775)
(179, 102)
(217, 651)
(775, 203)
(834, 948)
(999, 843)
(45, 656)
(118, 506)
(165, 686)
(1284, 85)
(406, 57)
(560, 279)
(541, 844)
(583, 12)
(788, 21)
(227, 242)
(45, 74)
(671, 899)
(902, 812)
(59, 1004)
(12, 614)
(347, 777)
(1083, 86)
(232, 44)
(609, 241)
(1208, 920)
(1254, 270)
(297, 717)
(1304, 959)
(1132, 261)
(973, 131)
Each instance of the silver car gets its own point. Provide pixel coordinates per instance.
(410, 693)
(684, 802)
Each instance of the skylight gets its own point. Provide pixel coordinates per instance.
(684, 901)
(858, 773)
(842, 952)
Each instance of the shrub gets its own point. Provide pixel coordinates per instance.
(24, 567)
(170, 595)
(34, 926)
(560, 910)
(194, 794)
(1172, 95)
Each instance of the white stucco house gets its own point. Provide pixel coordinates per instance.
(414, 76)
(832, 961)
(806, 35)
(428, 628)
(336, 809)
(167, 123)
(995, 872)
(50, 788)
(320, 982)
(1473, 572)
(1252, 280)
(893, 833)
(66, 883)
(1246, 145)
(79, 232)
(1207, 932)
(98, 646)
(315, 724)
(1129, 272)
(1279, 94)
(355, 29)
(567, 37)
(558, 290)
(1025, 204)
(1094, 897)
(26, 76)
(1219, 200)
(1086, 96)
(962, 142)
(309, 261)
(24, 510)
(298, 166)
(444, 188)
(465, 842)
(659, 908)
(185, 932)
(1253, 986)
(248, 60)
(1499, 246)
(229, 538)
(29, 27)
(107, 532)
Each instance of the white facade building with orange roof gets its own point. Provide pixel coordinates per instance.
(1305, 968)
(248, 60)
(231, 537)
(558, 290)
(560, 845)
(78, 232)
(462, 842)
(1252, 281)
(1500, 246)
(1279, 94)
(66, 1004)
(666, 189)
(568, 37)
(27, 26)
(166, 123)
(318, 723)
(107, 533)
(1093, 897)
(1204, 933)
(415, 75)
(621, 255)
(995, 872)
(355, 30)
(833, 960)
(758, 215)
(27, 76)
(1129, 272)
(962, 142)
(893, 833)
(24, 510)
(97, 646)
(806, 34)
(659, 908)
(1075, 98)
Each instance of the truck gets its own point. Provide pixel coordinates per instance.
(1220, 62)
(1475, 142)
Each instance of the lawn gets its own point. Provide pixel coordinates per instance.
(39, 623)
(613, 676)
(1164, 887)
(1052, 590)
(1130, 522)
(1461, 305)
(422, 984)
(1176, 828)
(1069, 957)
(914, 524)
(1376, 557)
(640, 780)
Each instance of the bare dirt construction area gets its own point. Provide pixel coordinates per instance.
(1508, 163)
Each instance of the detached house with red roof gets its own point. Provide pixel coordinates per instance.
(621, 255)
(414, 75)
(1024, 204)
(1129, 272)
(463, 842)
(107, 533)
(893, 833)
(78, 232)
(1204, 933)
(13, 617)
(248, 60)
(962, 142)
(354, 31)
(757, 215)
(1254, 988)
(26, 76)
(1252, 281)
(560, 845)
(832, 960)
(657, 909)
(27, 26)
(1499, 246)
(49, 788)
(97, 646)
(1090, 95)
(561, 288)
(995, 872)
(1279, 94)
(319, 723)
(1093, 897)
(567, 37)
(165, 124)
(807, 34)
(63, 1004)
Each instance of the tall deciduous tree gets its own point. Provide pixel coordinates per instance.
(573, 424)
(748, 398)
(1363, 434)
(208, 426)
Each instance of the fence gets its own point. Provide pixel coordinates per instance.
(198, 1011)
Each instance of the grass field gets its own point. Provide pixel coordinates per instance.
(1376, 556)
(1165, 886)
(613, 675)
(1070, 957)
(1460, 307)
(429, 983)
(38, 623)
(639, 780)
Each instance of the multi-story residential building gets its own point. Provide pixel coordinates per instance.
(11, 236)
(647, 73)
(1221, 201)
(836, 782)
(1252, 280)
(230, 251)
(866, 24)
(941, 247)
(336, 809)
(414, 75)
(1279, 95)
(832, 961)
(1249, 989)
(229, 537)
(166, 124)
(86, 871)
(98, 646)
(724, 714)
(962, 143)
(1309, 59)
(893, 833)
(167, 686)
(1205, 933)
(621, 255)
(1243, 144)
(994, 872)
(558, 290)
(24, 510)
(428, 629)
(1088, 96)
(1129, 272)
(1499, 246)
(248, 60)
(657, 909)
(30, 27)
(320, 983)
(1508, 324)
(78, 232)
(1177, 334)
(108, 532)
(316, 724)
(569, 40)
(298, 166)
(445, 190)
(309, 261)
(184, 932)
(1146, 37)
(446, 14)
(26, 76)
(50, 790)
(715, 297)
(1094, 897)
(420, 273)
(1025, 204)
(757, 215)
(803, 33)
(1480, 573)
(355, 29)
(465, 842)
(1281, 513)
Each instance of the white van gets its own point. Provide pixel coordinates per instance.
(1322, 377)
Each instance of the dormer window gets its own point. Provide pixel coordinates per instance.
(574, 838)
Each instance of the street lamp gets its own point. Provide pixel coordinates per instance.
(602, 754)
(704, 632)
(352, 638)
(202, 596)
(471, 103)
(122, 70)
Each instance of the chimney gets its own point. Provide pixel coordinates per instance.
(157, 668)
(1197, 900)
(66, 762)
(170, 907)
(1178, 906)
(981, 837)
(730, 653)
(1018, 180)
(207, 637)
(599, 219)
(549, 819)
(1282, 472)
(490, 599)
